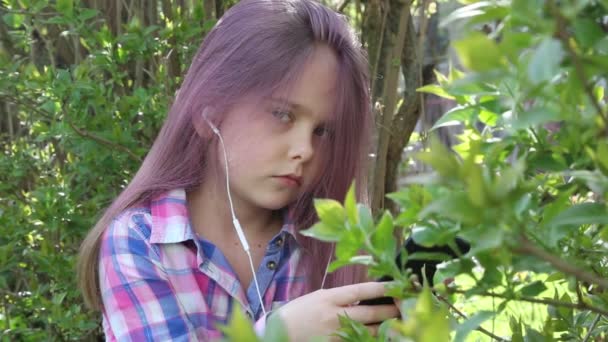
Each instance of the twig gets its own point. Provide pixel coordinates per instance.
(527, 247)
(595, 321)
(546, 301)
(376, 60)
(25, 12)
(81, 132)
(564, 37)
(104, 141)
(31, 105)
(462, 315)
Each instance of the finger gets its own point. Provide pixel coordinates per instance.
(373, 329)
(370, 314)
(349, 294)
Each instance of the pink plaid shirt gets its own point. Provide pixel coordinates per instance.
(160, 281)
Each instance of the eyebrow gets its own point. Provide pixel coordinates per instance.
(284, 101)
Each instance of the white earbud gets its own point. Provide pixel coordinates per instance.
(235, 222)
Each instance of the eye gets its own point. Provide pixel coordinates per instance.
(322, 131)
(283, 115)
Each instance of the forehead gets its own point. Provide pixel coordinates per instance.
(314, 88)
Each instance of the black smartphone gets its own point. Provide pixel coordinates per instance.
(429, 266)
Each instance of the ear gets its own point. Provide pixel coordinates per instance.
(201, 125)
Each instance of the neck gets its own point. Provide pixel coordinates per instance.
(210, 213)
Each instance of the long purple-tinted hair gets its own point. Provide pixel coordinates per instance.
(257, 47)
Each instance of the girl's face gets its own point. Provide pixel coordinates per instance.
(273, 144)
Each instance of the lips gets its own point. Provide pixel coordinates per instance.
(293, 178)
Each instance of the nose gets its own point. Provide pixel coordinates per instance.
(301, 147)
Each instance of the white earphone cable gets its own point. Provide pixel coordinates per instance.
(331, 253)
(235, 221)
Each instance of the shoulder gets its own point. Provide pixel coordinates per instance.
(130, 230)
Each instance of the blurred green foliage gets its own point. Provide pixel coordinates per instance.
(78, 132)
(526, 185)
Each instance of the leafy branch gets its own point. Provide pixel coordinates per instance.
(464, 316)
(35, 108)
(564, 37)
(545, 301)
(103, 141)
(527, 247)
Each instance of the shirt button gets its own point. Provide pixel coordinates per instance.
(279, 242)
(271, 265)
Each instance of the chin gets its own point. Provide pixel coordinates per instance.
(276, 203)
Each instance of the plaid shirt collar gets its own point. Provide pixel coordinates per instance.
(171, 219)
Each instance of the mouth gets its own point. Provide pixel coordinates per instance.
(290, 180)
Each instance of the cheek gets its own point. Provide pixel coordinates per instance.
(317, 167)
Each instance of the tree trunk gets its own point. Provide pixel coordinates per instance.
(394, 126)
(408, 114)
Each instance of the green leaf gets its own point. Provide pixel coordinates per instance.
(350, 204)
(478, 53)
(383, 238)
(484, 238)
(330, 212)
(452, 268)
(455, 116)
(13, 20)
(239, 327)
(436, 327)
(87, 13)
(476, 188)
(275, 329)
(545, 61)
(323, 232)
(436, 90)
(440, 158)
(582, 213)
(455, 206)
(488, 118)
(533, 290)
(587, 32)
(534, 117)
(427, 236)
(65, 7)
(473, 9)
(472, 323)
(366, 221)
(350, 243)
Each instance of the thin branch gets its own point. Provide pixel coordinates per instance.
(595, 321)
(462, 315)
(527, 247)
(85, 134)
(30, 105)
(103, 141)
(564, 37)
(545, 301)
(376, 60)
(25, 12)
(422, 32)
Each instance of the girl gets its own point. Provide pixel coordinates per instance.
(273, 112)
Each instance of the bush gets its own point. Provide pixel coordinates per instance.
(81, 120)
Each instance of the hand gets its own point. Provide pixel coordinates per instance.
(316, 314)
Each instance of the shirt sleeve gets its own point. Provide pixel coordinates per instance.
(139, 303)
